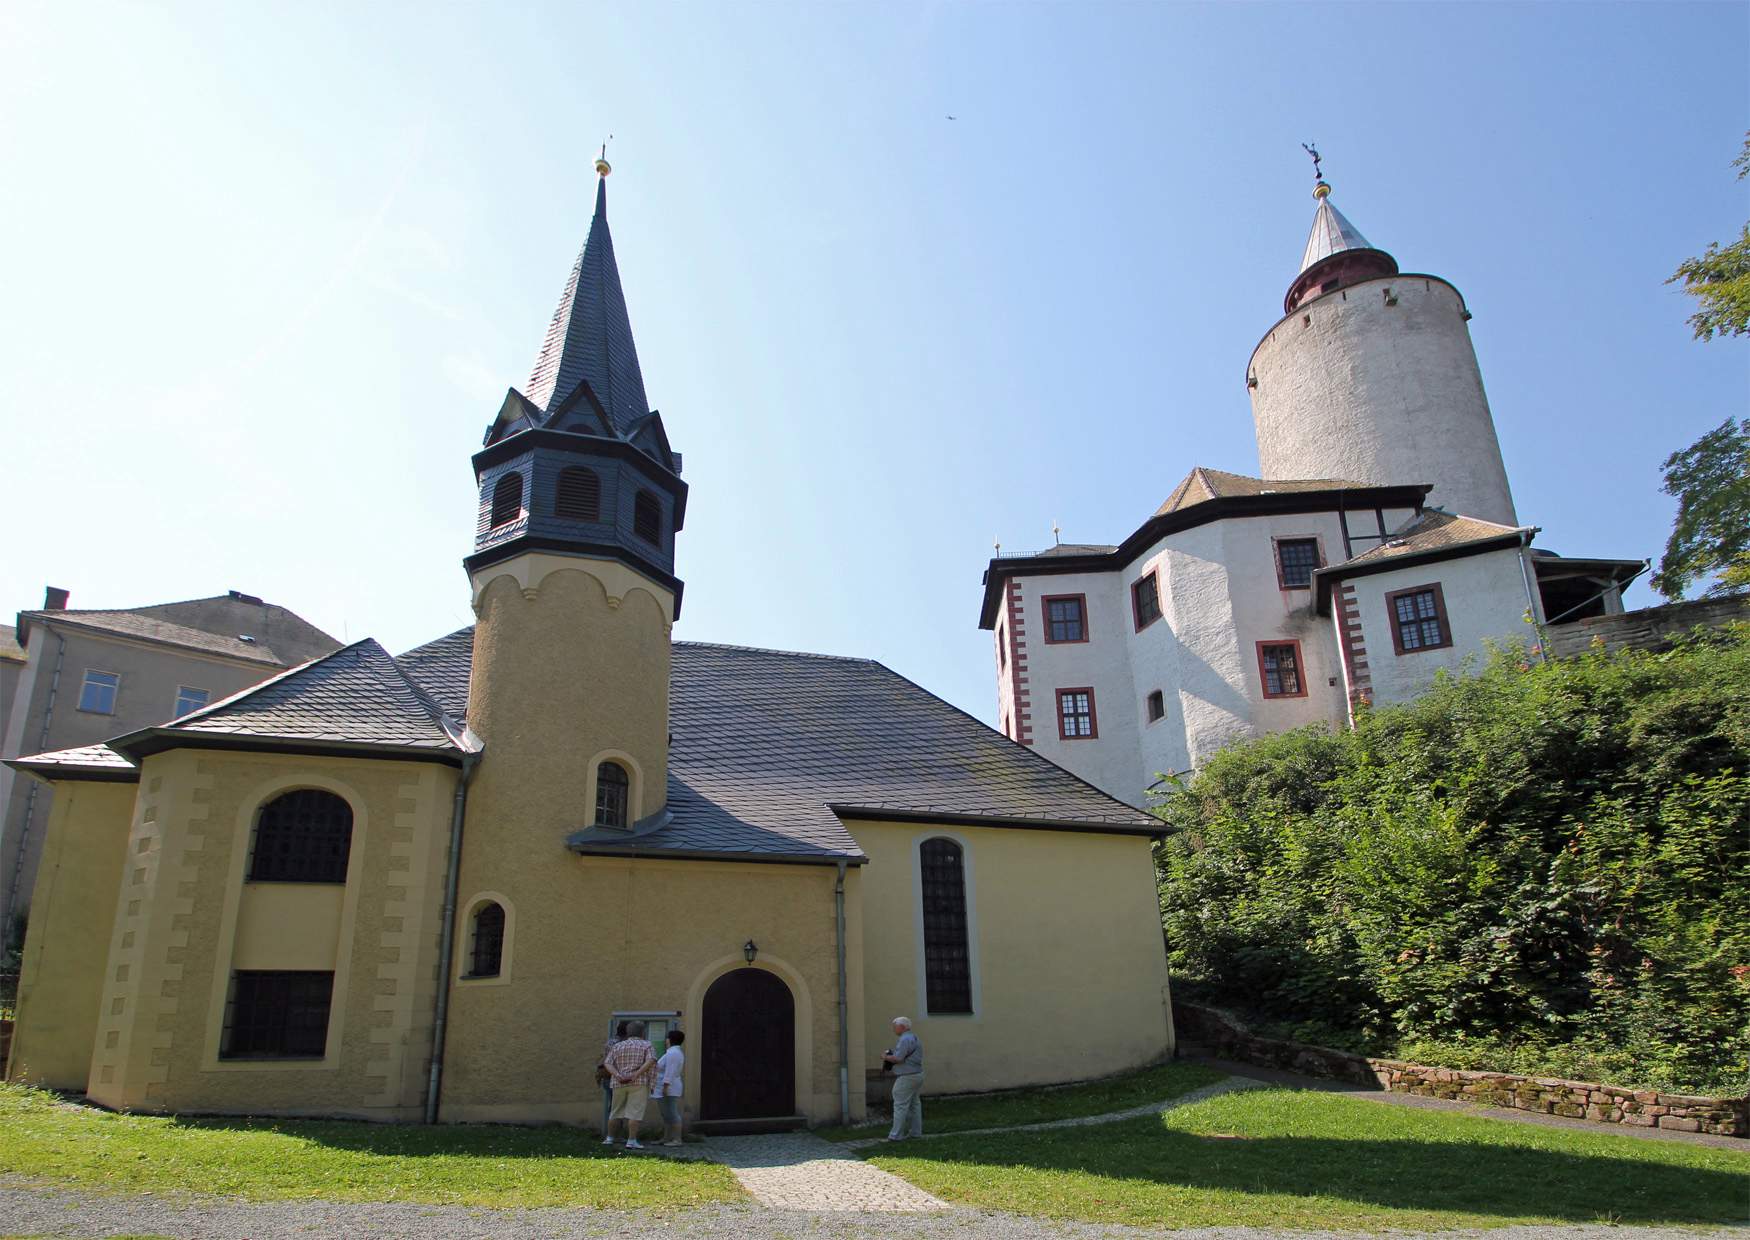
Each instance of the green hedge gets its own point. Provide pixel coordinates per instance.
(1536, 865)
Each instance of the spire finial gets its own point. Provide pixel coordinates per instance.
(602, 166)
(1056, 535)
(1320, 188)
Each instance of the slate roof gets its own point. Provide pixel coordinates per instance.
(233, 626)
(1434, 530)
(152, 629)
(1331, 234)
(1078, 549)
(87, 761)
(1202, 485)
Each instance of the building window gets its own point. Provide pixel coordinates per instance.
(1066, 618)
(1002, 651)
(1075, 715)
(1296, 561)
(578, 497)
(302, 837)
(1145, 601)
(1279, 666)
(1418, 619)
(647, 518)
(486, 950)
(97, 694)
(507, 500)
(1157, 706)
(612, 789)
(278, 1015)
(947, 961)
(188, 699)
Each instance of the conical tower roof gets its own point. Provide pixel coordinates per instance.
(590, 339)
(1331, 234)
(1336, 255)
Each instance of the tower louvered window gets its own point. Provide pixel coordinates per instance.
(302, 837)
(947, 962)
(647, 518)
(487, 954)
(507, 500)
(579, 495)
(612, 793)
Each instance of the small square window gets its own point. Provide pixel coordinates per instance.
(188, 699)
(1157, 706)
(1075, 715)
(1418, 619)
(1066, 618)
(1279, 667)
(1145, 601)
(1296, 561)
(97, 694)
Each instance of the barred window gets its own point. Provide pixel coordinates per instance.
(1075, 714)
(612, 789)
(1066, 618)
(1145, 601)
(578, 496)
(277, 1015)
(947, 962)
(486, 953)
(647, 517)
(1296, 561)
(302, 837)
(507, 500)
(1418, 619)
(1279, 664)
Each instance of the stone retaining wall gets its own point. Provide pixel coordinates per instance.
(1650, 628)
(1605, 1104)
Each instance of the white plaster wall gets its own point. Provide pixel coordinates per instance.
(1485, 600)
(1351, 386)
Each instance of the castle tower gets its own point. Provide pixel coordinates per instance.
(573, 579)
(1371, 376)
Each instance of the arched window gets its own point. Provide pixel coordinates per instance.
(947, 963)
(612, 791)
(647, 518)
(507, 500)
(302, 837)
(579, 495)
(486, 948)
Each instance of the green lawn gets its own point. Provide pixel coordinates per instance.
(1285, 1158)
(1033, 1106)
(70, 1144)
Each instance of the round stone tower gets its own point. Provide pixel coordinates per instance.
(1371, 376)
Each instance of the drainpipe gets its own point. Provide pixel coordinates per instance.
(42, 743)
(1530, 599)
(838, 895)
(446, 947)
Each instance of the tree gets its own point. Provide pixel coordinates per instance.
(1710, 480)
(1720, 278)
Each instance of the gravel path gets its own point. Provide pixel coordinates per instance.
(799, 1171)
(55, 1212)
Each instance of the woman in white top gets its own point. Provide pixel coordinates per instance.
(667, 1091)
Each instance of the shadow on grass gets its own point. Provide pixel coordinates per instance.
(1475, 1177)
(415, 1141)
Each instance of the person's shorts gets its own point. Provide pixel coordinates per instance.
(630, 1101)
(671, 1110)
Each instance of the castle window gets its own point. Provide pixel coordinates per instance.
(578, 496)
(1157, 706)
(1066, 618)
(647, 518)
(507, 500)
(1279, 667)
(97, 694)
(947, 962)
(302, 837)
(1418, 619)
(277, 1015)
(612, 789)
(1145, 601)
(1296, 561)
(188, 699)
(1075, 715)
(486, 950)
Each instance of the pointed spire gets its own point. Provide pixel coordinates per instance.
(1331, 232)
(1336, 254)
(590, 340)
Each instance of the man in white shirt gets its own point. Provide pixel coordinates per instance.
(667, 1091)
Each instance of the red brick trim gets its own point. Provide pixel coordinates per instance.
(1352, 646)
(1391, 617)
(1018, 691)
(1299, 669)
(1045, 603)
(1276, 554)
(1093, 714)
(1136, 612)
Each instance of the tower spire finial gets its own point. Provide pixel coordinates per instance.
(602, 166)
(1320, 188)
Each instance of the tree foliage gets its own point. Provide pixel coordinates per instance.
(1546, 862)
(1710, 480)
(1720, 278)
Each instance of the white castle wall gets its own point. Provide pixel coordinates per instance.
(1379, 383)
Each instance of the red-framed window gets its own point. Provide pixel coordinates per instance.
(1280, 669)
(1297, 559)
(1076, 720)
(1145, 600)
(1066, 618)
(1418, 619)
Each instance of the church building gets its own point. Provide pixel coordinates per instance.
(1380, 547)
(427, 886)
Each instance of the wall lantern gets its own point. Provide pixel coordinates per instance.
(749, 950)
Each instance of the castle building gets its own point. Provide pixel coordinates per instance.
(1380, 547)
(427, 886)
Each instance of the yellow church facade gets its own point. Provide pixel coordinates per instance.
(427, 886)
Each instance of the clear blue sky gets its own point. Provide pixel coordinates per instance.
(270, 267)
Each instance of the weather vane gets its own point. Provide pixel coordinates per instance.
(1320, 188)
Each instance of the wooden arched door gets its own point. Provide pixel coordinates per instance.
(748, 1047)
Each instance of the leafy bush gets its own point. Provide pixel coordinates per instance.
(1541, 864)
